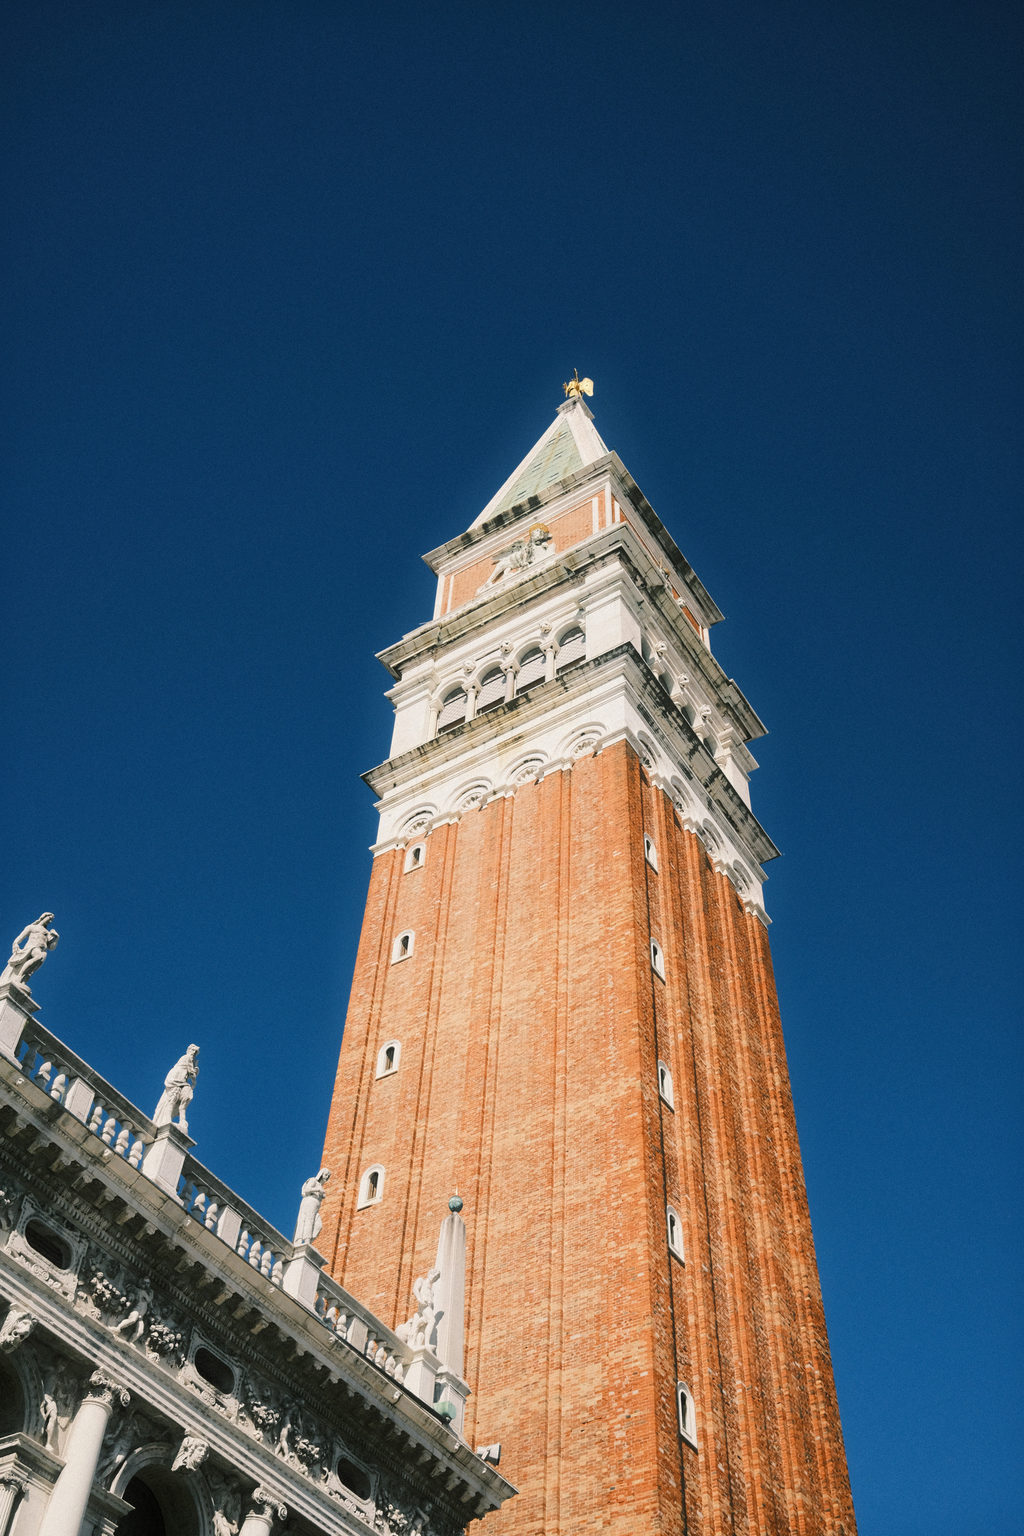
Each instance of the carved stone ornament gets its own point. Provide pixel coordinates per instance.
(420, 1329)
(125, 1433)
(308, 1226)
(166, 1340)
(192, 1452)
(8, 1204)
(270, 1503)
(227, 1502)
(138, 1319)
(17, 1326)
(179, 1086)
(583, 745)
(28, 952)
(102, 1388)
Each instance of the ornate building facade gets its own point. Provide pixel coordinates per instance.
(170, 1365)
(564, 1005)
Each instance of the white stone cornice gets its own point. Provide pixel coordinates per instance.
(596, 703)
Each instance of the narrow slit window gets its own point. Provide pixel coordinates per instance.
(388, 1058)
(403, 946)
(650, 852)
(687, 1415)
(657, 960)
(665, 1085)
(675, 1233)
(415, 857)
(371, 1187)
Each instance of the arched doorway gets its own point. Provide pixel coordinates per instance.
(165, 1502)
(146, 1519)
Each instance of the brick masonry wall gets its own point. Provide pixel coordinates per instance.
(531, 1026)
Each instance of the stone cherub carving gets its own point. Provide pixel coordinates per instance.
(308, 1226)
(519, 554)
(135, 1324)
(35, 943)
(179, 1086)
(420, 1327)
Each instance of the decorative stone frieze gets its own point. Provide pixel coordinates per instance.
(109, 1369)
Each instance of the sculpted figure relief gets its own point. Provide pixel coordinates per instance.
(135, 1323)
(420, 1327)
(179, 1086)
(192, 1452)
(17, 1326)
(29, 950)
(519, 555)
(227, 1503)
(60, 1399)
(309, 1224)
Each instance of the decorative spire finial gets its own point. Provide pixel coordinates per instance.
(455, 1204)
(577, 387)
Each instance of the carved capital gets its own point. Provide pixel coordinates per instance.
(102, 1388)
(271, 1504)
(14, 1481)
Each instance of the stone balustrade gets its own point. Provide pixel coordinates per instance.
(347, 1319)
(46, 1061)
(152, 1292)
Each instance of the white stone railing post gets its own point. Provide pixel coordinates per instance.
(12, 1486)
(165, 1157)
(16, 1010)
(421, 1373)
(302, 1274)
(71, 1491)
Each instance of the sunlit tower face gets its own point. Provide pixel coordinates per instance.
(565, 949)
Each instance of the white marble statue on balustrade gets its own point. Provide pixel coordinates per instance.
(420, 1327)
(29, 950)
(308, 1225)
(179, 1086)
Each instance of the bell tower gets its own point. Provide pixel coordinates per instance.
(563, 1008)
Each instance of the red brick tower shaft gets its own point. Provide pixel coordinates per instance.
(564, 1005)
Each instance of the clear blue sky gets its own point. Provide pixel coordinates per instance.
(288, 290)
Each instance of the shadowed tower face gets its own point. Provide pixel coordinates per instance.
(563, 1005)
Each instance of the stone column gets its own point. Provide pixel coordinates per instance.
(71, 1491)
(12, 1486)
(266, 1508)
